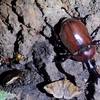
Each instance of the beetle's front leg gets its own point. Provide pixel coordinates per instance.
(95, 43)
(61, 55)
(82, 19)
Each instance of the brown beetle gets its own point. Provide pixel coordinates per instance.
(79, 45)
(75, 37)
(72, 37)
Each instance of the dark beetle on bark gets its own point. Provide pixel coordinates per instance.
(73, 38)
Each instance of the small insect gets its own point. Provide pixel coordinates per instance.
(8, 77)
(63, 89)
(17, 57)
(3, 61)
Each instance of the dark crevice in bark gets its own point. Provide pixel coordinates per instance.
(39, 6)
(20, 18)
(6, 22)
(19, 39)
(9, 25)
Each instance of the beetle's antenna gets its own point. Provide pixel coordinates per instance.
(95, 43)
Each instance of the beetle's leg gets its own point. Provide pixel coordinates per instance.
(59, 48)
(54, 39)
(82, 19)
(69, 77)
(52, 29)
(90, 91)
(93, 78)
(95, 42)
(61, 57)
(94, 33)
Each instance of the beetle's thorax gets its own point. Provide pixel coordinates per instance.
(84, 54)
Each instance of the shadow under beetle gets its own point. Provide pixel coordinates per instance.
(73, 38)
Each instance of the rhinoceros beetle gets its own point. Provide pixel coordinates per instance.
(71, 35)
(81, 47)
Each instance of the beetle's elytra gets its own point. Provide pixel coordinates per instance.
(75, 37)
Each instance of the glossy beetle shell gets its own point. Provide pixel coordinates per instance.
(9, 77)
(75, 37)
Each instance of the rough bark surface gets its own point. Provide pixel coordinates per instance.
(26, 20)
